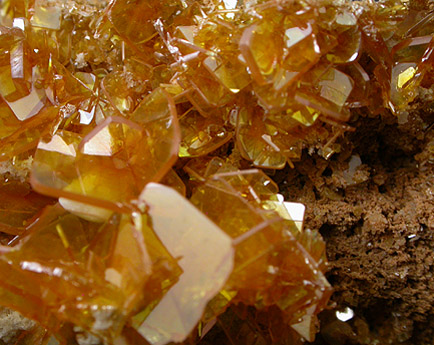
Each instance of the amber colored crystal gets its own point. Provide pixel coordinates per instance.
(148, 122)
(46, 15)
(208, 91)
(263, 275)
(84, 168)
(14, 65)
(348, 37)
(231, 73)
(9, 122)
(201, 135)
(125, 16)
(71, 166)
(266, 140)
(261, 49)
(255, 142)
(28, 134)
(93, 276)
(19, 207)
(206, 258)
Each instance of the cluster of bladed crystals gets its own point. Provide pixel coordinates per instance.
(106, 98)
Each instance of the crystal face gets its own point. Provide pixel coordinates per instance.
(145, 216)
(206, 255)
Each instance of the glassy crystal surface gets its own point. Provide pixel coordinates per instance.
(201, 135)
(46, 15)
(250, 222)
(206, 258)
(90, 274)
(27, 135)
(83, 168)
(107, 99)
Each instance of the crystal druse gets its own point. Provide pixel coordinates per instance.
(146, 215)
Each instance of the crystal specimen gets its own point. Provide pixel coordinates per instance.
(206, 255)
(25, 137)
(201, 135)
(46, 15)
(15, 69)
(94, 276)
(82, 168)
(109, 99)
(19, 207)
(248, 218)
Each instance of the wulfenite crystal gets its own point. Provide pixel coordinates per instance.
(148, 123)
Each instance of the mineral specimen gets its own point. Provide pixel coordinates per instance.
(147, 123)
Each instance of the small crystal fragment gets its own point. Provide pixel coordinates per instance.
(266, 142)
(231, 73)
(401, 89)
(200, 135)
(335, 86)
(46, 15)
(333, 89)
(26, 137)
(209, 90)
(349, 39)
(262, 49)
(15, 68)
(301, 53)
(30, 105)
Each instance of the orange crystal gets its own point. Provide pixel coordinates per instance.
(251, 218)
(104, 99)
(91, 276)
(84, 168)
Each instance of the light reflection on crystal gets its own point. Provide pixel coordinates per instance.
(98, 93)
(28, 106)
(345, 315)
(206, 257)
(46, 15)
(58, 144)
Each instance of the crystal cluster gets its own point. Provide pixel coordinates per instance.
(146, 122)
